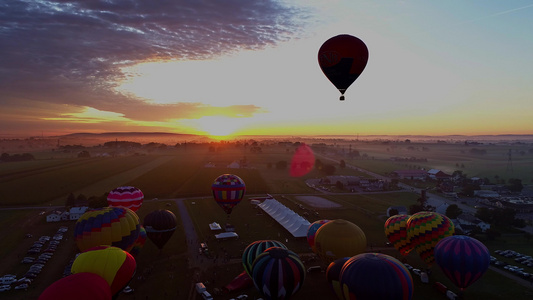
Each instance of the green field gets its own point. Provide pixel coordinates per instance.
(181, 173)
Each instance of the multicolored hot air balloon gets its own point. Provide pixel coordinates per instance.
(333, 274)
(462, 259)
(127, 196)
(343, 58)
(370, 276)
(139, 243)
(79, 286)
(339, 238)
(278, 273)
(311, 232)
(425, 229)
(228, 191)
(396, 233)
(113, 264)
(254, 249)
(160, 226)
(113, 226)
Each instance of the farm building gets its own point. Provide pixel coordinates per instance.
(77, 212)
(410, 174)
(57, 216)
(438, 175)
(466, 222)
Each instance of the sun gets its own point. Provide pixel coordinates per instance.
(219, 127)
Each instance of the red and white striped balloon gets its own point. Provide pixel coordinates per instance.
(126, 196)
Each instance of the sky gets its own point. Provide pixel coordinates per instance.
(240, 67)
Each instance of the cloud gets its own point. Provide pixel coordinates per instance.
(71, 52)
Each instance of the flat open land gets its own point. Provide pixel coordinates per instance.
(168, 176)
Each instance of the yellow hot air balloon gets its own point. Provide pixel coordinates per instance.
(339, 238)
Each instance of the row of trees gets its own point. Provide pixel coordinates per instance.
(5, 157)
(82, 200)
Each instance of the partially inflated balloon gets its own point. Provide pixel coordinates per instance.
(371, 276)
(339, 238)
(462, 259)
(113, 226)
(311, 232)
(254, 249)
(343, 58)
(160, 226)
(333, 274)
(396, 232)
(127, 196)
(79, 286)
(425, 229)
(278, 273)
(228, 191)
(113, 264)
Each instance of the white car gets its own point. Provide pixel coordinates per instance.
(4, 288)
(21, 286)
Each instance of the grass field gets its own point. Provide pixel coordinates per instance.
(181, 174)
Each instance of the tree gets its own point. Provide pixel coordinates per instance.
(71, 200)
(97, 202)
(342, 164)
(393, 212)
(453, 211)
(514, 185)
(413, 209)
(339, 185)
(484, 214)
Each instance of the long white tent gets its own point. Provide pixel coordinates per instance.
(293, 222)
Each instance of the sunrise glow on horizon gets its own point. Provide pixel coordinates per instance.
(433, 69)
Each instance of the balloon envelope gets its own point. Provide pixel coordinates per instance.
(343, 58)
(396, 232)
(127, 196)
(79, 286)
(278, 273)
(139, 242)
(425, 229)
(228, 191)
(113, 226)
(375, 276)
(311, 232)
(462, 259)
(339, 238)
(160, 226)
(113, 264)
(253, 250)
(333, 274)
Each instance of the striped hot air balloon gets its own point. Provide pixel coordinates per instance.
(113, 226)
(396, 233)
(333, 274)
(127, 196)
(139, 242)
(253, 250)
(278, 273)
(228, 191)
(311, 233)
(462, 259)
(425, 229)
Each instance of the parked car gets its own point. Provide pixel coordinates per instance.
(4, 288)
(21, 286)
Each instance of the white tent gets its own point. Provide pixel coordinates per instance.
(290, 220)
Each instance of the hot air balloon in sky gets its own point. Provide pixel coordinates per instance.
(302, 161)
(425, 229)
(311, 232)
(139, 243)
(160, 226)
(113, 264)
(278, 273)
(114, 226)
(396, 233)
(254, 249)
(79, 286)
(462, 259)
(343, 58)
(333, 274)
(127, 196)
(228, 191)
(375, 276)
(339, 238)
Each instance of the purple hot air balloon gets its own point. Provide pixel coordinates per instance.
(462, 259)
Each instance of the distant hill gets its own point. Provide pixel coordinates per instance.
(84, 138)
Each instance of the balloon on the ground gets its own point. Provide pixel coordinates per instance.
(127, 196)
(228, 190)
(113, 226)
(79, 286)
(278, 273)
(113, 264)
(333, 274)
(302, 161)
(396, 233)
(375, 276)
(463, 259)
(311, 232)
(139, 242)
(253, 250)
(160, 226)
(425, 229)
(343, 58)
(339, 238)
